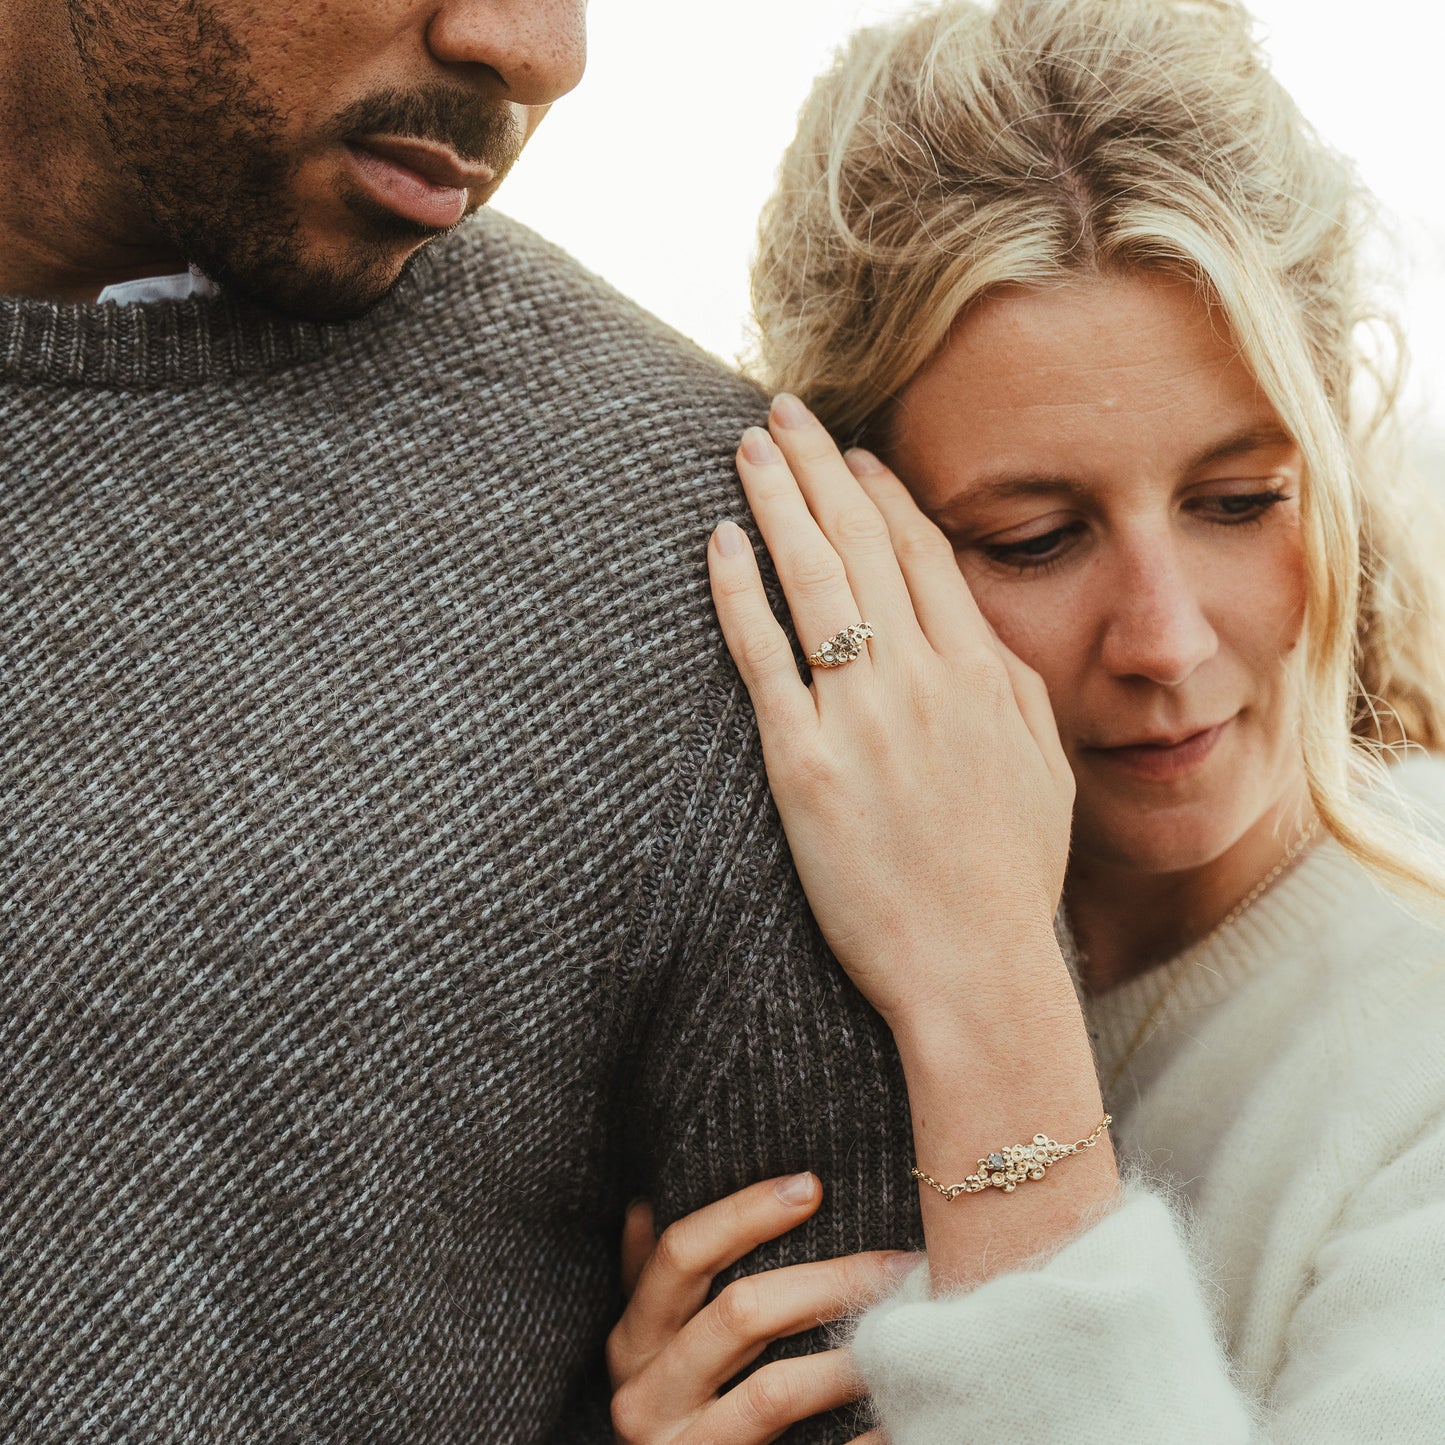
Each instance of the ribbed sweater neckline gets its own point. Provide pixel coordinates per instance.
(1275, 924)
(174, 344)
(1325, 883)
(1322, 886)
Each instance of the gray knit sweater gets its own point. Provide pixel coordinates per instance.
(389, 885)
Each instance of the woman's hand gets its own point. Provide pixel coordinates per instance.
(927, 801)
(923, 787)
(672, 1353)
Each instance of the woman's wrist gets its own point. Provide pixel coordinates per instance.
(962, 1113)
(996, 995)
(1006, 1060)
(1036, 1077)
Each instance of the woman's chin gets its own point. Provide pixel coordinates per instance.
(1157, 843)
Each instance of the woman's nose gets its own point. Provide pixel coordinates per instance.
(536, 48)
(1155, 625)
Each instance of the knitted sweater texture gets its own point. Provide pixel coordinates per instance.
(390, 888)
(1275, 1271)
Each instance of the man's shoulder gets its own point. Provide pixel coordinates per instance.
(515, 295)
(585, 412)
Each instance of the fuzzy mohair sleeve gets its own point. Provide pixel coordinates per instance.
(1112, 1338)
(1103, 1340)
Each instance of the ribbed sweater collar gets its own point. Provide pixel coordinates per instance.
(173, 344)
(1277, 923)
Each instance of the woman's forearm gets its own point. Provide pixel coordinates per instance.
(1003, 1065)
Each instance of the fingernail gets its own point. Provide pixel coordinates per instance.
(796, 1189)
(861, 461)
(789, 410)
(758, 446)
(902, 1264)
(730, 538)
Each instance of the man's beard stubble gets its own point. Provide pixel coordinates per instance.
(208, 157)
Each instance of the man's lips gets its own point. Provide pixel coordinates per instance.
(433, 163)
(425, 183)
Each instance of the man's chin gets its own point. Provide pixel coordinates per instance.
(315, 291)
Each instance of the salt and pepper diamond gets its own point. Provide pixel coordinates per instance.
(1005, 1168)
(842, 647)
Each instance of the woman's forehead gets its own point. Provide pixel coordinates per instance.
(1105, 373)
(1102, 340)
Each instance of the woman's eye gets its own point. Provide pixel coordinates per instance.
(1036, 554)
(1033, 553)
(1249, 507)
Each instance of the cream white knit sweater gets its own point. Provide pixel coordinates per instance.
(1275, 1270)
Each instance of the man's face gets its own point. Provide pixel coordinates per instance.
(300, 152)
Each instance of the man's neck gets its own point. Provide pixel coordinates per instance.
(68, 228)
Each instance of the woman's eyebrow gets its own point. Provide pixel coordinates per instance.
(1255, 439)
(1004, 485)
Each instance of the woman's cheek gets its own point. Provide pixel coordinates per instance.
(1038, 619)
(1000, 611)
(1267, 604)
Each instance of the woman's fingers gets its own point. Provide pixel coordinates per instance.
(669, 1355)
(760, 1409)
(764, 1405)
(942, 601)
(945, 604)
(675, 1281)
(845, 514)
(752, 1312)
(757, 643)
(814, 579)
(1032, 695)
(638, 1242)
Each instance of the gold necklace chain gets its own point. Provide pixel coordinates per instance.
(1144, 1031)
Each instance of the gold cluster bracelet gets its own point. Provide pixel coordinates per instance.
(1010, 1166)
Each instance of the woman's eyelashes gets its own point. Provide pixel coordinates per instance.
(1251, 507)
(1040, 554)
(1034, 554)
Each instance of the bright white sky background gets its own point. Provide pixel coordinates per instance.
(654, 170)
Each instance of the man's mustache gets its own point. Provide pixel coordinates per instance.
(485, 133)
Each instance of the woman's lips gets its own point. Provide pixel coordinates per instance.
(1163, 764)
(406, 192)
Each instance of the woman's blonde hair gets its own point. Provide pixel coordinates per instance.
(963, 149)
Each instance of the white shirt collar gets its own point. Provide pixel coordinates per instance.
(160, 288)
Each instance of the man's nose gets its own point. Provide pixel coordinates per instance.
(537, 48)
(1156, 626)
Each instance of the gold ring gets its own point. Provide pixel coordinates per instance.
(842, 647)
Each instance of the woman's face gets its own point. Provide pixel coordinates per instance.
(1125, 506)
